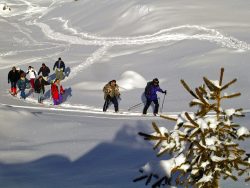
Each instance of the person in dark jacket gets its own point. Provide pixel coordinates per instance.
(13, 77)
(45, 71)
(150, 93)
(40, 89)
(111, 93)
(59, 68)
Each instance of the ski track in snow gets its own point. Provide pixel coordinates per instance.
(177, 33)
(97, 113)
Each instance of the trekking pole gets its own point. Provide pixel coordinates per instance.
(163, 102)
(135, 106)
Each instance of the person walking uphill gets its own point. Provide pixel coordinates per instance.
(151, 96)
(57, 91)
(111, 93)
(40, 89)
(59, 67)
(13, 77)
(32, 76)
(23, 83)
(45, 71)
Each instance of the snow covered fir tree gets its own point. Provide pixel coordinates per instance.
(203, 146)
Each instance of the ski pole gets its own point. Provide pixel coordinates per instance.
(163, 102)
(135, 106)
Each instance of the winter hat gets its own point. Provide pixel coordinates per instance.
(59, 58)
(156, 81)
(43, 64)
(23, 74)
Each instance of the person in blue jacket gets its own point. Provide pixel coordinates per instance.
(23, 83)
(150, 93)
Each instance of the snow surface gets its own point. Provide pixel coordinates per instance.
(76, 144)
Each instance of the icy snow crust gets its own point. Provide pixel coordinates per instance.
(76, 144)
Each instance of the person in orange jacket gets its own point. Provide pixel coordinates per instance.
(57, 91)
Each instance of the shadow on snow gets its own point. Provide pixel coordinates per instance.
(113, 164)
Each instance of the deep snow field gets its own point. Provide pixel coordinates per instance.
(133, 41)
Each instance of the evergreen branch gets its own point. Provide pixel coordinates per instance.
(157, 145)
(156, 128)
(140, 178)
(149, 179)
(210, 85)
(158, 183)
(231, 96)
(188, 89)
(191, 120)
(151, 137)
(168, 117)
(228, 84)
(221, 75)
(201, 97)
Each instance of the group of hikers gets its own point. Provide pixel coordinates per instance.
(36, 83)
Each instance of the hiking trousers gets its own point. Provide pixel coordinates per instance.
(149, 101)
(108, 101)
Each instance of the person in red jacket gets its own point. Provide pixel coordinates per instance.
(57, 91)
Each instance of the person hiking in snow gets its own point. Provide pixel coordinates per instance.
(45, 71)
(59, 68)
(111, 93)
(22, 84)
(151, 96)
(20, 71)
(13, 77)
(31, 72)
(57, 91)
(40, 89)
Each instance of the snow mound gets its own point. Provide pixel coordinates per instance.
(129, 80)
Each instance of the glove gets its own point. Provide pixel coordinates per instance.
(165, 92)
(119, 97)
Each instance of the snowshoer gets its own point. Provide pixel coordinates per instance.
(13, 77)
(45, 71)
(23, 83)
(57, 91)
(59, 68)
(111, 93)
(151, 96)
(40, 89)
(31, 72)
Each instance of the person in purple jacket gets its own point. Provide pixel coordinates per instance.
(151, 96)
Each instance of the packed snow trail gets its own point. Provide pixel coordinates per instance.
(178, 33)
(85, 111)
